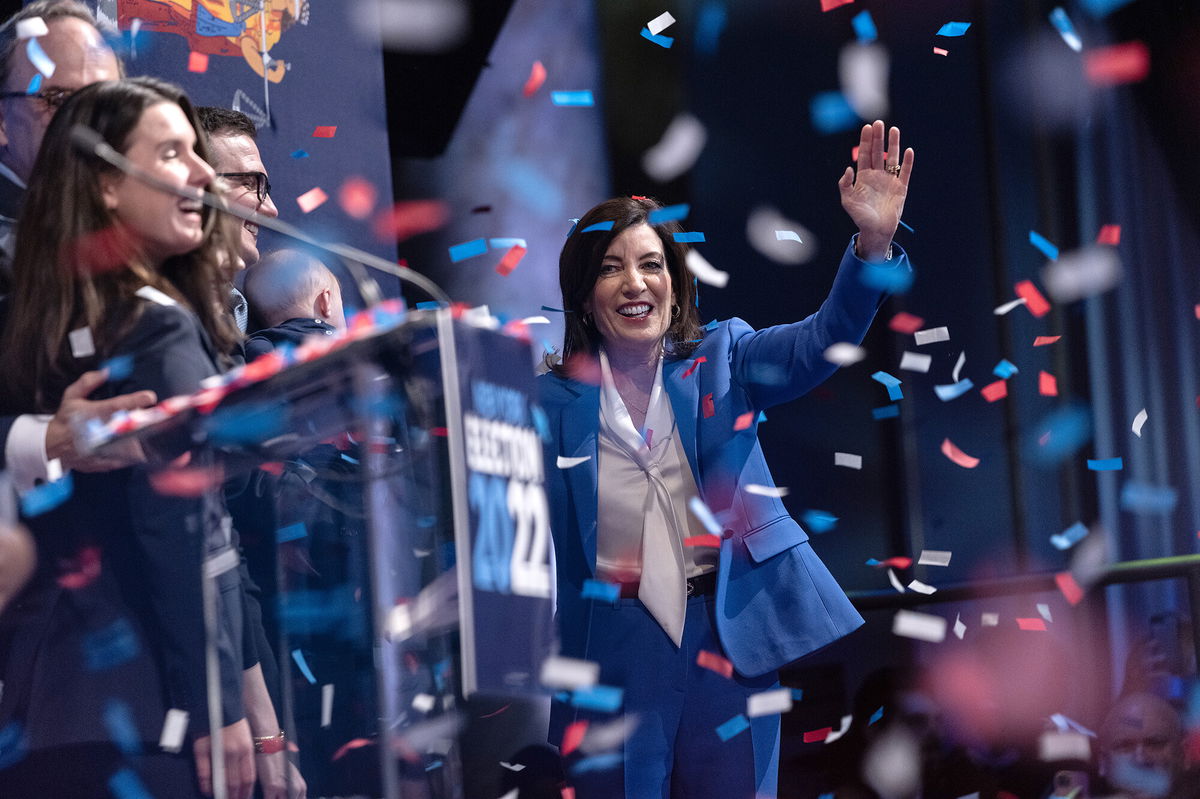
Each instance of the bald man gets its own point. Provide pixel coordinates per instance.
(294, 296)
(1141, 749)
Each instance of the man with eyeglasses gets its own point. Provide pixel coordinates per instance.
(29, 98)
(239, 166)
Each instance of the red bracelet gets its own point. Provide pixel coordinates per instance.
(270, 744)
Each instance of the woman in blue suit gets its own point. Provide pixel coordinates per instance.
(664, 412)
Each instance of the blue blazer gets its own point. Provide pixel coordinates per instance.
(776, 601)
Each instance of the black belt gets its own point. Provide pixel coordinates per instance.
(700, 585)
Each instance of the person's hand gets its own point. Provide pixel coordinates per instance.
(279, 777)
(874, 197)
(239, 760)
(60, 436)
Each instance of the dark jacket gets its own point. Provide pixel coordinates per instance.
(293, 331)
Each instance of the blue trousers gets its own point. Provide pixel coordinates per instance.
(674, 707)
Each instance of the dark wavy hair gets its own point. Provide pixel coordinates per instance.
(579, 267)
(74, 266)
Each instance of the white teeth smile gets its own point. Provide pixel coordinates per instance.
(253, 228)
(190, 207)
(634, 310)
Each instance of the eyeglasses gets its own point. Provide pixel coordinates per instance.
(257, 182)
(52, 98)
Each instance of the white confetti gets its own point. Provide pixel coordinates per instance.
(1055, 745)
(895, 581)
(932, 336)
(915, 362)
(1008, 306)
(535, 320)
(513, 794)
(769, 703)
(327, 705)
(1138, 421)
(705, 272)
(423, 703)
(840, 731)
(847, 459)
(1083, 273)
(844, 353)
(32, 28)
(660, 23)
(958, 365)
(921, 626)
(37, 57)
(959, 628)
(989, 619)
(570, 463)
(512, 766)
(921, 588)
(788, 235)
(934, 557)
(1044, 610)
(704, 515)
(863, 71)
(174, 728)
(677, 150)
(569, 673)
(761, 231)
(766, 491)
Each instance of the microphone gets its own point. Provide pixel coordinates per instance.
(90, 142)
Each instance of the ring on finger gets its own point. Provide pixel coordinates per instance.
(893, 169)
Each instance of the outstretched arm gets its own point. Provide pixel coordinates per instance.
(874, 196)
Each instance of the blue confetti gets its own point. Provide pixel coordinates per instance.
(126, 784)
(1145, 498)
(711, 326)
(1069, 537)
(1040, 241)
(541, 422)
(121, 728)
(954, 29)
(604, 698)
(573, 98)
(598, 763)
(735, 725)
(506, 244)
(598, 589)
(689, 238)
(299, 154)
(249, 424)
(762, 417)
(876, 716)
(110, 646)
(797, 694)
(35, 84)
(1105, 464)
(119, 367)
(434, 765)
(292, 532)
(13, 744)
(468, 249)
(826, 796)
(819, 521)
(1102, 8)
(428, 305)
(881, 277)
(832, 113)
(710, 24)
(606, 225)
(891, 382)
(864, 27)
(302, 664)
(1059, 436)
(906, 227)
(553, 310)
(1004, 369)
(37, 57)
(1062, 23)
(47, 496)
(574, 224)
(669, 213)
(528, 180)
(886, 412)
(954, 390)
(704, 515)
(659, 39)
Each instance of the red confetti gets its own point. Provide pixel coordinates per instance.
(356, 743)
(573, 736)
(1070, 589)
(495, 713)
(1047, 384)
(1032, 624)
(707, 404)
(102, 251)
(1198, 310)
(197, 62)
(410, 218)
(357, 197)
(828, 5)
(189, 482)
(510, 260)
(744, 421)
(312, 199)
(272, 467)
(899, 562)
(325, 131)
(704, 359)
(957, 455)
(906, 323)
(440, 432)
(568, 792)
(1109, 234)
(537, 76)
(81, 570)
(702, 541)
(714, 662)
(816, 736)
(1034, 300)
(940, 51)
(1042, 341)
(1120, 63)
(584, 368)
(995, 391)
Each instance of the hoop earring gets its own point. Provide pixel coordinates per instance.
(674, 312)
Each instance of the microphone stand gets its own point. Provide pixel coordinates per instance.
(89, 141)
